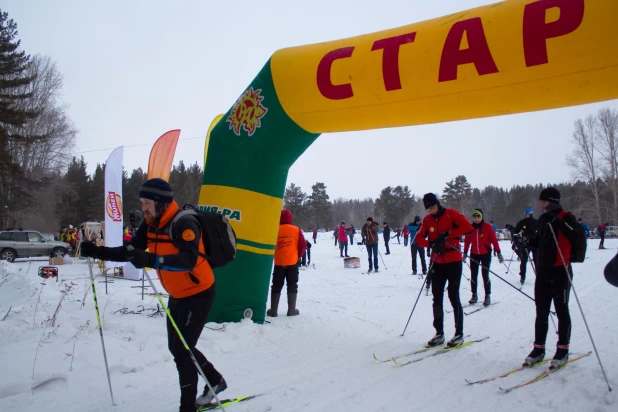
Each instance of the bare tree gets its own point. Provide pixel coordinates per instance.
(607, 134)
(584, 161)
(43, 150)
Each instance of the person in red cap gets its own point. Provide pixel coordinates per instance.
(291, 245)
(443, 228)
(479, 243)
(185, 273)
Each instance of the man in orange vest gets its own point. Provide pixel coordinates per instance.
(290, 247)
(185, 274)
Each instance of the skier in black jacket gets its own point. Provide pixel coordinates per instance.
(525, 231)
(386, 233)
(552, 283)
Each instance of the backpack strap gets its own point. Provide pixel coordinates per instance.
(180, 215)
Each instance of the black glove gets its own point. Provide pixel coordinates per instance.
(141, 259)
(428, 252)
(89, 249)
(438, 244)
(500, 258)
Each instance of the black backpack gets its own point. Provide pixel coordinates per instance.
(579, 244)
(217, 234)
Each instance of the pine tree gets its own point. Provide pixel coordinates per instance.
(458, 194)
(13, 67)
(294, 200)
(319, 206)
(130, 192)
(73, 202)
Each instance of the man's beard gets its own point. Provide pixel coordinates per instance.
(150, 218)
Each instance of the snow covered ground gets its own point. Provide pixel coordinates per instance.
(319, 361)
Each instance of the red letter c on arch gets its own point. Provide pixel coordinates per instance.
(325, 85)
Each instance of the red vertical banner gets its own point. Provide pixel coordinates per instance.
(162, 155)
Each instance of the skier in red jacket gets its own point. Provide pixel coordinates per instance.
(443, 228)
(479, 242)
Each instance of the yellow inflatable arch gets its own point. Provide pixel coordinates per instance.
(510, 57)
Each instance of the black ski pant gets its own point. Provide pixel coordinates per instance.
(388, 250)
(190, 315)
(414, 249)
(343, 245)
(351, 240)
(287, 274)
(602, 243)
(314, 242)
(405, 240)
(336, 240)
(441, 273)
(484, 260)
(552, 285)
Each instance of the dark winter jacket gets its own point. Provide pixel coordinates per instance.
(446, 220)
(370, 233)
(528, 226)
(386, 233)
(563, 224)
(479, 241)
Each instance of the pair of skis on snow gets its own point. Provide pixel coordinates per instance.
(437, 350)
(537, 378)
(427, 352)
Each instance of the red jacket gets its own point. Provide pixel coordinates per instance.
(481, 239)
(342, 236)
(446, 220)
(405, 232)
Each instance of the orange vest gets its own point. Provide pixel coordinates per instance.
(286, 252)
(183, 283)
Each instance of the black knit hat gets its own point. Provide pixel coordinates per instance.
(550, 194)
(417, 218)
(369, 219)
(158, 190)
(430, 200)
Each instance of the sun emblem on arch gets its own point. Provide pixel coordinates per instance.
(247, 112)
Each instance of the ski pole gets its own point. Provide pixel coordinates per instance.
(184, 342)
(494, 273)
(417, 298)
(470, 272)
(96, 307)
(508, 268)
(568, 275)
(384, 264)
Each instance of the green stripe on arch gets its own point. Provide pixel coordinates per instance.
(255, 244)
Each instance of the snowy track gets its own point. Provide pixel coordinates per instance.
(319, 361)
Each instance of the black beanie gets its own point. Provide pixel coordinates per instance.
(550, 194)
(430, 200)
(158, 190)
(369, 219)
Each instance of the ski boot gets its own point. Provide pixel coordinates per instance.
(474, 299)
(536, 356)
(208, 396)
(274, 304)
(376, 271)
(561, 357)
(436, 340)
(456, 341)
(487, 301)
(414, 273)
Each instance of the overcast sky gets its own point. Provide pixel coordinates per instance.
(135, 69)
